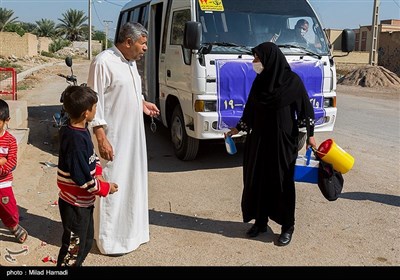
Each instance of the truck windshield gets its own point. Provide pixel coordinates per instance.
(249, 23)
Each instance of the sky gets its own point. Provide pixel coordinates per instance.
(334, 14)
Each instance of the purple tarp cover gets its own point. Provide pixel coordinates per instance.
(234, 80)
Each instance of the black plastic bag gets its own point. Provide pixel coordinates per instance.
(330, 181)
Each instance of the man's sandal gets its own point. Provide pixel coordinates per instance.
(20, 234)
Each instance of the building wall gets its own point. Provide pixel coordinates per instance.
(83, 45)
(43, 44)
(30, 45)
(390, 25)
(364, 36)
(335, 38)
(389, 51)
(13, 44)
(353, 58)
(388, 37)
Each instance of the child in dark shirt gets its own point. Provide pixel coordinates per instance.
(79, 177)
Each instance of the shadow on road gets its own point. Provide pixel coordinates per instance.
(226, 228)
(212, 153)
(388, 199)
(40, 227)
(42, 133)
(161, 158)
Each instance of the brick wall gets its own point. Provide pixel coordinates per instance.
(388, 48)
(356, 58)
(30, 45)
(389, 51)
(43, 44)
(13, 44)
(83, 45)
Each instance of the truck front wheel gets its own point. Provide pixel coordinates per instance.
(185, 147)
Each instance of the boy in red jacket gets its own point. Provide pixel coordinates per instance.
(8, 161)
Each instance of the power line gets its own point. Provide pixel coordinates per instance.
(97, 14)
(113, 3)
(396, 4)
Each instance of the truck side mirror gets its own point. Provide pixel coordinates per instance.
(348, 40)
(192, 35)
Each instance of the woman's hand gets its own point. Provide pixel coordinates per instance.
(231, 132)
(312, 143)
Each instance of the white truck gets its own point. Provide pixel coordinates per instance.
(198, 65)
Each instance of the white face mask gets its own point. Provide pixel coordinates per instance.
(258, 67)
(303, 32)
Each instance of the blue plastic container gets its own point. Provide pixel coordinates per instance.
(306, 169)
(230, 145)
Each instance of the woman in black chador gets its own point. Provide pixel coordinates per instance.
(278, 104)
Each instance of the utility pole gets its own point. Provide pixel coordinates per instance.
(106, 31)
(90, 31)
(374, 44)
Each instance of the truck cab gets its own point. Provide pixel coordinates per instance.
(198, 66)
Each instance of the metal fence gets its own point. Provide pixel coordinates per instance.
(8, 82)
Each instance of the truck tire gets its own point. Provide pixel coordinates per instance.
(185, 147)
(302, 140)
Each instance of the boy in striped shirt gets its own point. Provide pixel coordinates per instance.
(79, 177)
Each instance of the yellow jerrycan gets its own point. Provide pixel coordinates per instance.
(330, 152)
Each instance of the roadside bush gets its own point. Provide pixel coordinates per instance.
(47, 54)
(58, 44)
(8, 64)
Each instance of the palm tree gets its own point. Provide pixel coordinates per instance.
(45, 28)
(72, 26)
(15, 27)
(28, 27)
(6, 18)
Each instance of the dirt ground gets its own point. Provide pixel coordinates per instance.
(36, 194)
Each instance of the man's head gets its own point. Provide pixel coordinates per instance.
(132, 41)
(301, 27)
(80, 101)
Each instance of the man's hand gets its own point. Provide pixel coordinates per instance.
(105, 149)
(150, 109)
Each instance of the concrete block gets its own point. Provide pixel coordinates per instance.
(18, 113)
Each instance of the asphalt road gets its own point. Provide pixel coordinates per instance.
(194, 207)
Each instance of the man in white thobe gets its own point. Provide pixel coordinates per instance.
(121, 221)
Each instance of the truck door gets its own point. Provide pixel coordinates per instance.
(149, 66)
(177, 58)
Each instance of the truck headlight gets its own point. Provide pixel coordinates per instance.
(205, 106)
(329, 102)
